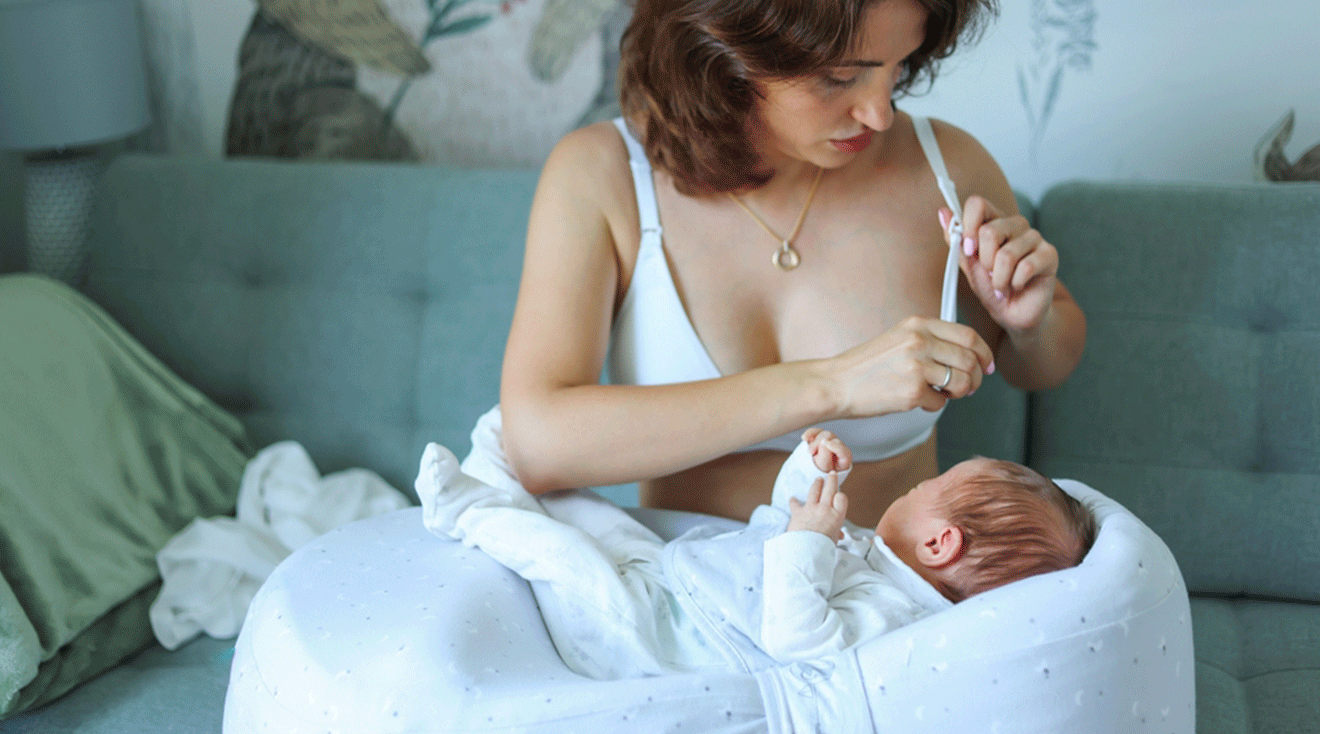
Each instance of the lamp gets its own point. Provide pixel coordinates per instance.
(71, 77)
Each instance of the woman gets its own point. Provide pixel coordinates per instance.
(768, 256)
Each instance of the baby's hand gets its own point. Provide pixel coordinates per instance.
(824, 511)
(828, 451)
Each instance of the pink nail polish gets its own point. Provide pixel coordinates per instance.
(969, 246)
(999, 295)
(991, 369)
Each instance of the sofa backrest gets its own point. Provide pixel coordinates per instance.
(1196, 403)
(360, 309)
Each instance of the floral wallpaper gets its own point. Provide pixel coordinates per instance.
(1056, 89)
(468, 82)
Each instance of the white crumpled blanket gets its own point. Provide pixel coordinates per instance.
(213, 567)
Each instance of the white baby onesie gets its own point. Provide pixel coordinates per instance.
(620, 603)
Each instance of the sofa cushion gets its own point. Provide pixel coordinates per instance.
(1196, 403)
(104, 455)
(158, 690)
(359, 309)
(1258, 665)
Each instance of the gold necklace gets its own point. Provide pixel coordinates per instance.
(785, 258)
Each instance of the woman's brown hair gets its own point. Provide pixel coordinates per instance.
(688, 72)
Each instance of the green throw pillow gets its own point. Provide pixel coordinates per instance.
(104, 455)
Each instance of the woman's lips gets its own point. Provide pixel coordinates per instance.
(856, 144)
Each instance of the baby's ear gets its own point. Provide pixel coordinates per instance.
(943, 548)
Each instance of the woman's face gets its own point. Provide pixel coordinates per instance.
(827, 120)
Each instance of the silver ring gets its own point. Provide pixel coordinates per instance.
(948, 375)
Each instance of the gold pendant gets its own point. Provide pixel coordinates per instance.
(785, 258)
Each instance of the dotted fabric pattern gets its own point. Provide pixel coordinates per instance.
(1103, 647)
(59, 198)
(381, 627)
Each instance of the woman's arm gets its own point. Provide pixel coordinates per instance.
(561, 428)
(1011, 292)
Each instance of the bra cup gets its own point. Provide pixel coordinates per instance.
(653, 342)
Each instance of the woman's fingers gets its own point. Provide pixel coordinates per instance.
(902, 368)
(1013, 269)
(959, 346)
(951, 382)
(955, 365)
(1041, 260)
(1011, 252)
(977, 211)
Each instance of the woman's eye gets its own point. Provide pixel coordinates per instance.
(838, 80)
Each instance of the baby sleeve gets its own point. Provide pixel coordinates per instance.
(796, 475)
(818, 600)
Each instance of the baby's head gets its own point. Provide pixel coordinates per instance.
(984, 523)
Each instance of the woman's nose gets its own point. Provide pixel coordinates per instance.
(876, 111)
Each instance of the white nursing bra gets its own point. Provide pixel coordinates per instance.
(653, 341)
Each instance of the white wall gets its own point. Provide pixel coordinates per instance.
(197, 45)
(1175, 90)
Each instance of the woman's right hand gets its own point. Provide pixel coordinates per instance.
(920, 363)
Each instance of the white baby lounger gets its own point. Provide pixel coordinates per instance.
(382, 627)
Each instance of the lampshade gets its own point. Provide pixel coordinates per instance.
(70, 73)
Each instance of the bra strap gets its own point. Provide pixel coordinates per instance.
(648, 211)
(949, 296)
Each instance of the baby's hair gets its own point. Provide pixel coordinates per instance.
(1015, 523)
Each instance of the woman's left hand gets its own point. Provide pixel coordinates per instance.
(1010, 267)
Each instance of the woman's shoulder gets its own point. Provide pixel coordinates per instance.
(970, 164)
(961, 150)
(590, 158)
(594, 146)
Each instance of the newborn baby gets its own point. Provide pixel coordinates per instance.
(797, 583)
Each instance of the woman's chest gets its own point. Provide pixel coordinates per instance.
(863, 268)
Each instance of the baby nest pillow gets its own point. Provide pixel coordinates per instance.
(1104, 647)
(382, 627)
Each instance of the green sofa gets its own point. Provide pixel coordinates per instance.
(361, 309)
